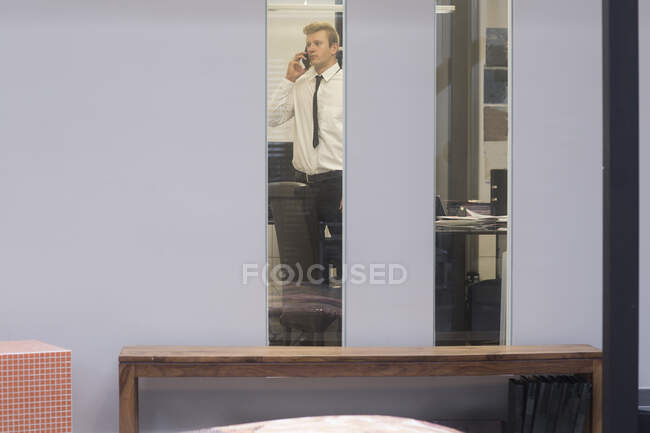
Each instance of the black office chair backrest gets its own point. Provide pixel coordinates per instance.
(280, 155)
(296, 227)
(485, 301)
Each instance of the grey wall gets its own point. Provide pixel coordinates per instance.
(131, 182)
(389, 161)
(557, 184)
(132, 186)
(644, 298)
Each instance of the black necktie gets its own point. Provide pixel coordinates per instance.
(315, 109)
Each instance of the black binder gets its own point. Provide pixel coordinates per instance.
(516, 401)
(531, 396)
(569, 409)
(583, 410)
(541, 407)
(555, 398)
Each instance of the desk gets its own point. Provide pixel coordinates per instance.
(187, 361)
(458, 265)
(497, 230)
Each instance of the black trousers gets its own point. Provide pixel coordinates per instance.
(327, 195)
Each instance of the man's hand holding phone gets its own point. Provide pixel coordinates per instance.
(296, 69)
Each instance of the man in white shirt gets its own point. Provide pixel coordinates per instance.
(313, 97)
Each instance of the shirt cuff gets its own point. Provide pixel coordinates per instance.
(287, 83)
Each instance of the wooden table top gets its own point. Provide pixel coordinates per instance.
(281, 354)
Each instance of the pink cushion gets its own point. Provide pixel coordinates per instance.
(335, 424)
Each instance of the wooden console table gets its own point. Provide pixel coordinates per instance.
(193, 361)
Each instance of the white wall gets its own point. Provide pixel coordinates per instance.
(644, 193)
(389, 168)
(132, 184)
(557, 186)
(557, 183)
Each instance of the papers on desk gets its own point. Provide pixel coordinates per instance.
(473, 214)
(474, 222)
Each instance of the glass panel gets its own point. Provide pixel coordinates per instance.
(305, 116)
(472, 160)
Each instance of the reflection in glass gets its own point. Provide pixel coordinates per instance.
(305, 115)
(471, 171)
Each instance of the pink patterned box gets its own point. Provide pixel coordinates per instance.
(35, 388)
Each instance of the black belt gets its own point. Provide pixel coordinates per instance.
(311, 178)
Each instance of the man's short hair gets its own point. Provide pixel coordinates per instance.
(332, 34)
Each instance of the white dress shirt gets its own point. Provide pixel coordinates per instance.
(295, 100)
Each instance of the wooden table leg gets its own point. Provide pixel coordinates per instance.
(128, 399)
(597, 397)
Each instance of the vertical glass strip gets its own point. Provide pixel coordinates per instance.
(472, 166)
(305, 114)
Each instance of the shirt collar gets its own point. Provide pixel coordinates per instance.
(329, 72)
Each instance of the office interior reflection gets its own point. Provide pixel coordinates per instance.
(305, 115)
(472, 161)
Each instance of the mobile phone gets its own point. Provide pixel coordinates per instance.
(306, 62)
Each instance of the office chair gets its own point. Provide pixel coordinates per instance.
(305, 306)
(280, 167)
(484, 302)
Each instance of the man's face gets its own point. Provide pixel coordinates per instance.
(319, 50)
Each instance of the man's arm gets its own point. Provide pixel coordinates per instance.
(281, 106)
